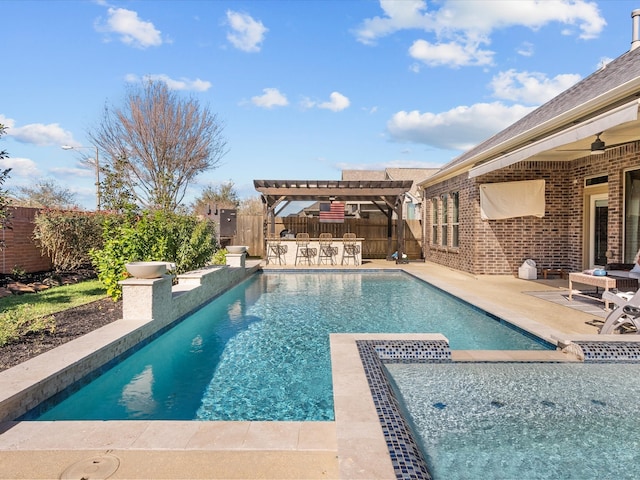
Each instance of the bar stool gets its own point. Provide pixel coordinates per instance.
(303, 251)
(327, 251)
(276, 251)
(350, 249)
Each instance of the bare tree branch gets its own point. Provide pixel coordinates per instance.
(165, 141)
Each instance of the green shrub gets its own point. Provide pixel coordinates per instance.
(220, 257)
(152, 236)
(68, 236)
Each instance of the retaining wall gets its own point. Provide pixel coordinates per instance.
(149, 306)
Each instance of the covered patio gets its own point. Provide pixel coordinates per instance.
(387, 195)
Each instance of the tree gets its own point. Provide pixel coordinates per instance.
(215, 197)
(251, 206)
(164, 142)
(46, 193)
(115, 193)
(5, 213)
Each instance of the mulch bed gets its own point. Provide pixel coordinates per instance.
(70, 324)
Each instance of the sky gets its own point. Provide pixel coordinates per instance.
(302, 88)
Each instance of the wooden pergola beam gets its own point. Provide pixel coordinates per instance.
(390, 192)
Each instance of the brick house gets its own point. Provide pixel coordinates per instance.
(560, 186)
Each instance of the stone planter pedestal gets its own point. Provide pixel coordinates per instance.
(146, 298)
(236, 259)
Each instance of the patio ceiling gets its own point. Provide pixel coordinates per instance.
(616, 127)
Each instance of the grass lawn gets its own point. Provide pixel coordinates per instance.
(31, 312)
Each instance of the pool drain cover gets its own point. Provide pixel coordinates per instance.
(94, 468)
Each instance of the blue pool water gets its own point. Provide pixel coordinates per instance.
(524, 420)
(261, 350)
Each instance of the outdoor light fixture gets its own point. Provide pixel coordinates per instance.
(331, 199)
(69, 147)
(598, 146)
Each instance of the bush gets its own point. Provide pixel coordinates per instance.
(68, 236)
(220, 257)
(153, 236)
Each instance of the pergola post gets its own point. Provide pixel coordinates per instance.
(400, 228)
(389, 213)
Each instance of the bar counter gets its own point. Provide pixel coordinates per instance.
(288, 248)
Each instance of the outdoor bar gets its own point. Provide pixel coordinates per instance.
(289, 251)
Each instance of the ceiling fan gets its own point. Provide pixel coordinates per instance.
(598, 146)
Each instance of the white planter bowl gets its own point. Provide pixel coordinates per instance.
(236, 249)
(147, 269)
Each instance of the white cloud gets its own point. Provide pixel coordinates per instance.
(196, 85)
(131, 29)
(398, 16)
(271, 98)
(452, 53)
(40, 134)
(247, 34)
(337, 102)
(7, 122)
(481, 17)
(601, 64)
(73, 172)
(20, 167)
(460, 128)
(531, 88)
(526, 49)
(460, 27)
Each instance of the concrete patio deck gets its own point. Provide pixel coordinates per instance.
(350, 447)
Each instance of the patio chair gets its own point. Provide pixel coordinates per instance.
(350, 249)
(304, 253)
(276, 251)
(327, 251)
(625, 314)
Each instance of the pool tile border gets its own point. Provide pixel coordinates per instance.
(618, 352)
(406, 455)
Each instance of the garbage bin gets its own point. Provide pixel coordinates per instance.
(527, 270)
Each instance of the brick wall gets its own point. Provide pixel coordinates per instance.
(554, 241)
(21, 250)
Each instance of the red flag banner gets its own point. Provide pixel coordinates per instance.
(332, 212)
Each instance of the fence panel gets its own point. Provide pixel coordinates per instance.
(373, 230)
(249, 233)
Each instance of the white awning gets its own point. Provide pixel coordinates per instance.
(617, 116)
(512, 199)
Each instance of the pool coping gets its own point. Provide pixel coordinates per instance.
(355, 437)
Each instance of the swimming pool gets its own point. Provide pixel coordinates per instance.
(524, 420)
(261, 350)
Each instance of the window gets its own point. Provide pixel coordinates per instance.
(455, 219)
(434, 221)
(445, 221)
(631, 215)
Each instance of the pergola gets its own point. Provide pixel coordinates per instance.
(387, 195)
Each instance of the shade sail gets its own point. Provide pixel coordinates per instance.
(512, 199)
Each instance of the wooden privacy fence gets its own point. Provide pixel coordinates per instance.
(249, 232)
